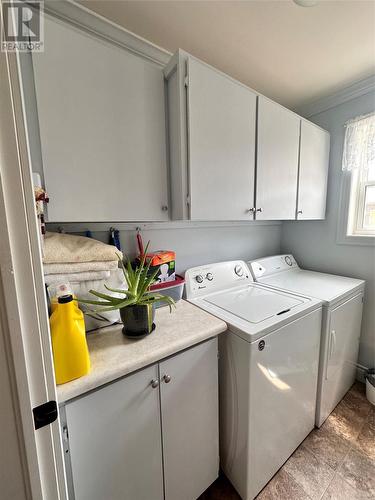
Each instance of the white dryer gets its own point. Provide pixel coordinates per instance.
(268, 370)
(341, 324)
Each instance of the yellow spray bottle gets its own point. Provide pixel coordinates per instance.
(70, 353)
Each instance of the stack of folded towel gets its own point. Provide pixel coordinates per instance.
(85, 264)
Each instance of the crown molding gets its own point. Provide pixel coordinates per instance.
(346, 94)
(91, 22)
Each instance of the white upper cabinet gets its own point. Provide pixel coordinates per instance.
(219, 153)
(313, 172)
(102, 128)
(221, 139)
(277, 161)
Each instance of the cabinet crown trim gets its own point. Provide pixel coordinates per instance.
(357, 89)
(98, 25)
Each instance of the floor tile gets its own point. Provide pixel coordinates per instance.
(366, 440)
(341, 490)
(327, 446)
(345, 444)
(357, 402)
(371, 417)
(359, 471)
(345, 422)
(312, 474)
(282, 487)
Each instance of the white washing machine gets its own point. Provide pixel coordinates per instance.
(268, 370)
(341, 323)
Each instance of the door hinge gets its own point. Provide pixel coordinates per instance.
(45, 414)
(186, 81)
(188, 199)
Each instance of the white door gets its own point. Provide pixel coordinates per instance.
(277, 161)
(23, 306)
(313, 172)
(221, 138)
(102, 125)
(189, 403)
(343, 339)
(115, 441)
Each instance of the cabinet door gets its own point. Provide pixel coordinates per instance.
(221, 137)
(189, 405)
(101, 115)
(313, 172)
(115, 441)
(277, 161)
(343, 340)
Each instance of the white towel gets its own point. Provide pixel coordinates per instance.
(80, 267)
(49, 279)
(82, 290)
(60, 248)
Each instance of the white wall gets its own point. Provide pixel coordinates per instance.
(313, 243)
(204, 245)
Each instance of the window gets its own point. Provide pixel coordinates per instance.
(359, 160)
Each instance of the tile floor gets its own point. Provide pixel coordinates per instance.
(335, 462)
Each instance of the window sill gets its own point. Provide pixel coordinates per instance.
(368, 240)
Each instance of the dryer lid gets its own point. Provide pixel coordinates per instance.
(327, 287)
(282, 271)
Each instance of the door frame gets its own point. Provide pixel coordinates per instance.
(24, 301)
(23, 307)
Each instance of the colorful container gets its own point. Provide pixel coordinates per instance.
(165, 260)
(70, 352)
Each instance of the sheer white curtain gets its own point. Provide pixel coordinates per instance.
(359, 146)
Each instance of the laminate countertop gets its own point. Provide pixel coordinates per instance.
(113, 355)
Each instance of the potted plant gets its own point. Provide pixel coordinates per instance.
(137, 304)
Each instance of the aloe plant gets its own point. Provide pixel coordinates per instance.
(138, 293)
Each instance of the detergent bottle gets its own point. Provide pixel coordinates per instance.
(70, 353)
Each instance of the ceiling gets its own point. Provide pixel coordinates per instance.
(291, 54)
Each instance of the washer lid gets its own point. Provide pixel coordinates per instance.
(254, 304)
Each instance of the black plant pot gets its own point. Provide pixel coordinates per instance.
(138, 320)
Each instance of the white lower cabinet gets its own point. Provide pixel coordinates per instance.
(151, 435)
(189, 409)
(115, 441)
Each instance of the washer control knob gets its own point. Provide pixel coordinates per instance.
(209, 276)
(199, 278)
(238, 270)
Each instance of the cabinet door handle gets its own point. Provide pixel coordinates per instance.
(167, 378)
(333, 343)
(259, 210)
(299, 212)
(164, 208)
(154, 383)
(251, 210)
